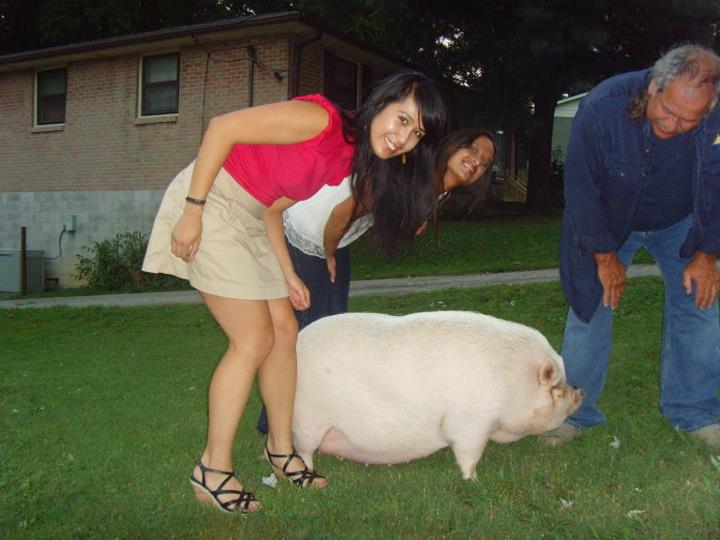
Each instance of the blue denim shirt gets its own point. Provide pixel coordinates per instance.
(608, 165)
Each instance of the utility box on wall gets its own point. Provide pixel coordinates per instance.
(10, 266)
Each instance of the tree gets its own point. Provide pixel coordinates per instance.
(34, 24)
(18, 24)
(521, 54)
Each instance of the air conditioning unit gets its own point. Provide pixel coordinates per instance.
(10, 265)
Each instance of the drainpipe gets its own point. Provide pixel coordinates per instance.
(251, 74)
(23, 261)
(296, 62)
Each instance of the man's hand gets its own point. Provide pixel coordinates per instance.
(611, 273)
(704, 272)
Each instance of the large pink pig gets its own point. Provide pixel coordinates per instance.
(375, 388)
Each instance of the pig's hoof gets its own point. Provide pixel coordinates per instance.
(301, 477)
(556, 437)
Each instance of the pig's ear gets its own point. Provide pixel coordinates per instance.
(549, 374)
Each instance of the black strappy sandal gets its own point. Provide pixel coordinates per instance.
(207, 495)
(301, 478)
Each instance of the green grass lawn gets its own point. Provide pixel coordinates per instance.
(103, 412)
(488, 245)
(493, 244)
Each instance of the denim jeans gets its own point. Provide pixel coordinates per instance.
(690, 355)
(326, 298)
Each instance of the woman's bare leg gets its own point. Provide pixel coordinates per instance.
(276, 378)
(248, 327)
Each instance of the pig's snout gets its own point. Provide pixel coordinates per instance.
(578, 396)
(567, 397)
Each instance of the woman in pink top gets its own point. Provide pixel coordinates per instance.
(220, 226)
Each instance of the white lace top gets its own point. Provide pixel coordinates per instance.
(305, 220)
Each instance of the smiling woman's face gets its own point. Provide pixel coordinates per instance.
(396, 129)
(466, 165)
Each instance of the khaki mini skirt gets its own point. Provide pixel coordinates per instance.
(235, 258)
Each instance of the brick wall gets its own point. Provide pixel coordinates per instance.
(103, 145)
(106, 167)
(311, 69)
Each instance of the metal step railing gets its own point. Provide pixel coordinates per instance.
(515, 188)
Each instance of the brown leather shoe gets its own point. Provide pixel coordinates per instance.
(561, 435)
(710, 435)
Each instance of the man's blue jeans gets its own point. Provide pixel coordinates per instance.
(690, 356)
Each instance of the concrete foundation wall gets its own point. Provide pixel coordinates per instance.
(100, 215)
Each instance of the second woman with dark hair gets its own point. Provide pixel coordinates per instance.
(220, 226)
(463, 160)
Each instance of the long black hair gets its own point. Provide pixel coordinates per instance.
(399, 195)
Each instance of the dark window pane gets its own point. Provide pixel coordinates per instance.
(161, 68)
(344, 84)
(51, 96)
(160, 99)
(160, 85)
(51, 110)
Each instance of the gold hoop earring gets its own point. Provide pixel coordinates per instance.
(403, 159)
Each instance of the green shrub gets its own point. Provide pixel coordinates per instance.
(116, 264)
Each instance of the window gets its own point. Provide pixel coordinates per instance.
(159, 88)
(341, 81)
(50, 94)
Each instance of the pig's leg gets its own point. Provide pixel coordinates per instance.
(468, 444)
(467, 457)
(306, 441)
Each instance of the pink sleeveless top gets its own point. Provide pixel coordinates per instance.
(296, 171)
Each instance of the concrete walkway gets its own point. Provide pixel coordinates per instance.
(385, 287)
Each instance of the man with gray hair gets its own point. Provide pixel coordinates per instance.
(643, 170)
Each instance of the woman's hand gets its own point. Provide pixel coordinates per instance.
(331, 266)
(185, 239)
(299, 293)
(422, 229)
(338, 222)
